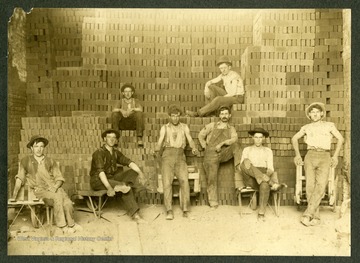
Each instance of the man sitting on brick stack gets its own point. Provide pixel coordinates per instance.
(128, 113)
(230, 92)
(257, 169)
(44, 176)
(220, 141)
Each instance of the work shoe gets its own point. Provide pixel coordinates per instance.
(261, 217)
(138, 219)
(305, 220)
(77, 227)
(315, 222)
(185, 214)
(68, 230)
(169, 215)
(278, 187)
(191, 113)
(122, 188)
(213, 207)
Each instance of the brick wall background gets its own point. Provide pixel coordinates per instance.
(77, 59)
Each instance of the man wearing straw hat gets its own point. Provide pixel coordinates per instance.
(44, 176)
(231, 92)
(318, 136)
(257, 169)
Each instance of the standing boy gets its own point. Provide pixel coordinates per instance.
(317, 135)
(172, 140)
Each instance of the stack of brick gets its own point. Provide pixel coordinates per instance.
(78, 59)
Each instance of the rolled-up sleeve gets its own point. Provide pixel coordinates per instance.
(204, 133)
(97, 163)
(122, 159)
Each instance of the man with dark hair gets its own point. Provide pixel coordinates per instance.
(105, 174)
(257, 169)
(220, 141)
(172, 141)
(231, 93)
(128, 113)
(318, 136)
(43, 175)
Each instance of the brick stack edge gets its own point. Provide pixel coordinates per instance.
(78, 59)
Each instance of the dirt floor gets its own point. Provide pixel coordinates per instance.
(206, 232)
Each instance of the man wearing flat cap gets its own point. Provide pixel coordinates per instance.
(128, 113)
(105, 174)
(257, 169)
(230, 92)
(44, 176)
(318, 136)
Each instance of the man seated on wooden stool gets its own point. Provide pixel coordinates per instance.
(257, 169)
(127, 114)
(44, 176)
(105, 174)
(172, 142)
(220, 141)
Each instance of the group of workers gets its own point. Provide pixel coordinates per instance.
(218, 140)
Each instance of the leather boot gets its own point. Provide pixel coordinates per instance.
(264, 193)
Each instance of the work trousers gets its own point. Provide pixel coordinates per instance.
(134, 122)
(212, 160)
(317, 168)
(217, 99)
(256, 178)
(174, 164)
(61, 203)
(130, 178)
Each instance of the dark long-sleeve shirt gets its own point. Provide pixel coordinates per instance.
(104, 161)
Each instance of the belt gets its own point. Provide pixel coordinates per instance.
(238, 96)
(318, 150)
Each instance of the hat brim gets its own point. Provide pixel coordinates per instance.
(265, 133)
(219, 63)
(117, 133)
(42, 139)
(322, 106)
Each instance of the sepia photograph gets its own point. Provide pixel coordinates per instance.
(179, 131)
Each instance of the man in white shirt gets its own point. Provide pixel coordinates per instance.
(231, 93)
(317, 135)
(257, 169)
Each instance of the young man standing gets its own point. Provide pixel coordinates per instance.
(172, 140)
(257, 169)
(220, 141)
(44, 177)
(127, 114)
(105, 174)
(231, 93)
(317, 135)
